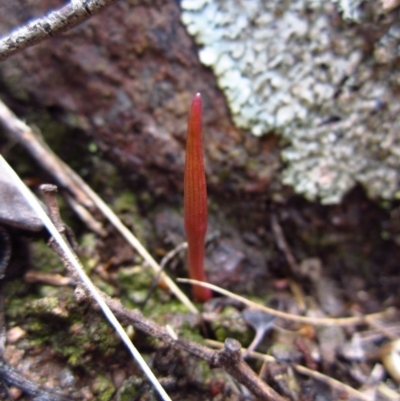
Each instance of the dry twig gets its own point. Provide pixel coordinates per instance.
(229, 358)
(56, 229)
(68, 16)
(67, 178)
(315, 321)
(352, 392)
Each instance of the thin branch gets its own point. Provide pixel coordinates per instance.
(304, 371)
(229, 358)
(55, 22)
(35, 146)
(172, 253)
(73, 261)
(315, 321)
(85, 215)
(67, 178)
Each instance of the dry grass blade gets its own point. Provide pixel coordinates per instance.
(67, 178)
(304, 371)
(82, 275)
(132, 240)
(324, 321)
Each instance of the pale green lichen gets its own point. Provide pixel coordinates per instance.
(297, 69)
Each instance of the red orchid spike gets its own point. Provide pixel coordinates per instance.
(195, 200)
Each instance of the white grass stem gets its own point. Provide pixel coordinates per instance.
(85, 279)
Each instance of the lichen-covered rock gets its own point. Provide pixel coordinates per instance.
(325, 84)
(125, 78)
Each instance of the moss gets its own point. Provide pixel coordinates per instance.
(43, 306)
(104, 286)
(87, 248)
(78, 341)
(45, 258)
(230, 324)
(103, 388)
(105, 176)
(134, 284)
(14, 306)
(125, 205)
(135, 388)
(125, 202)
(57, 321)
(174, 307)
(173, 312)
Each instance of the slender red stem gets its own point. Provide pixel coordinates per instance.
(195, 200)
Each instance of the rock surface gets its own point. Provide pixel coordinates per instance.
(126, 79)
(326, 84)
